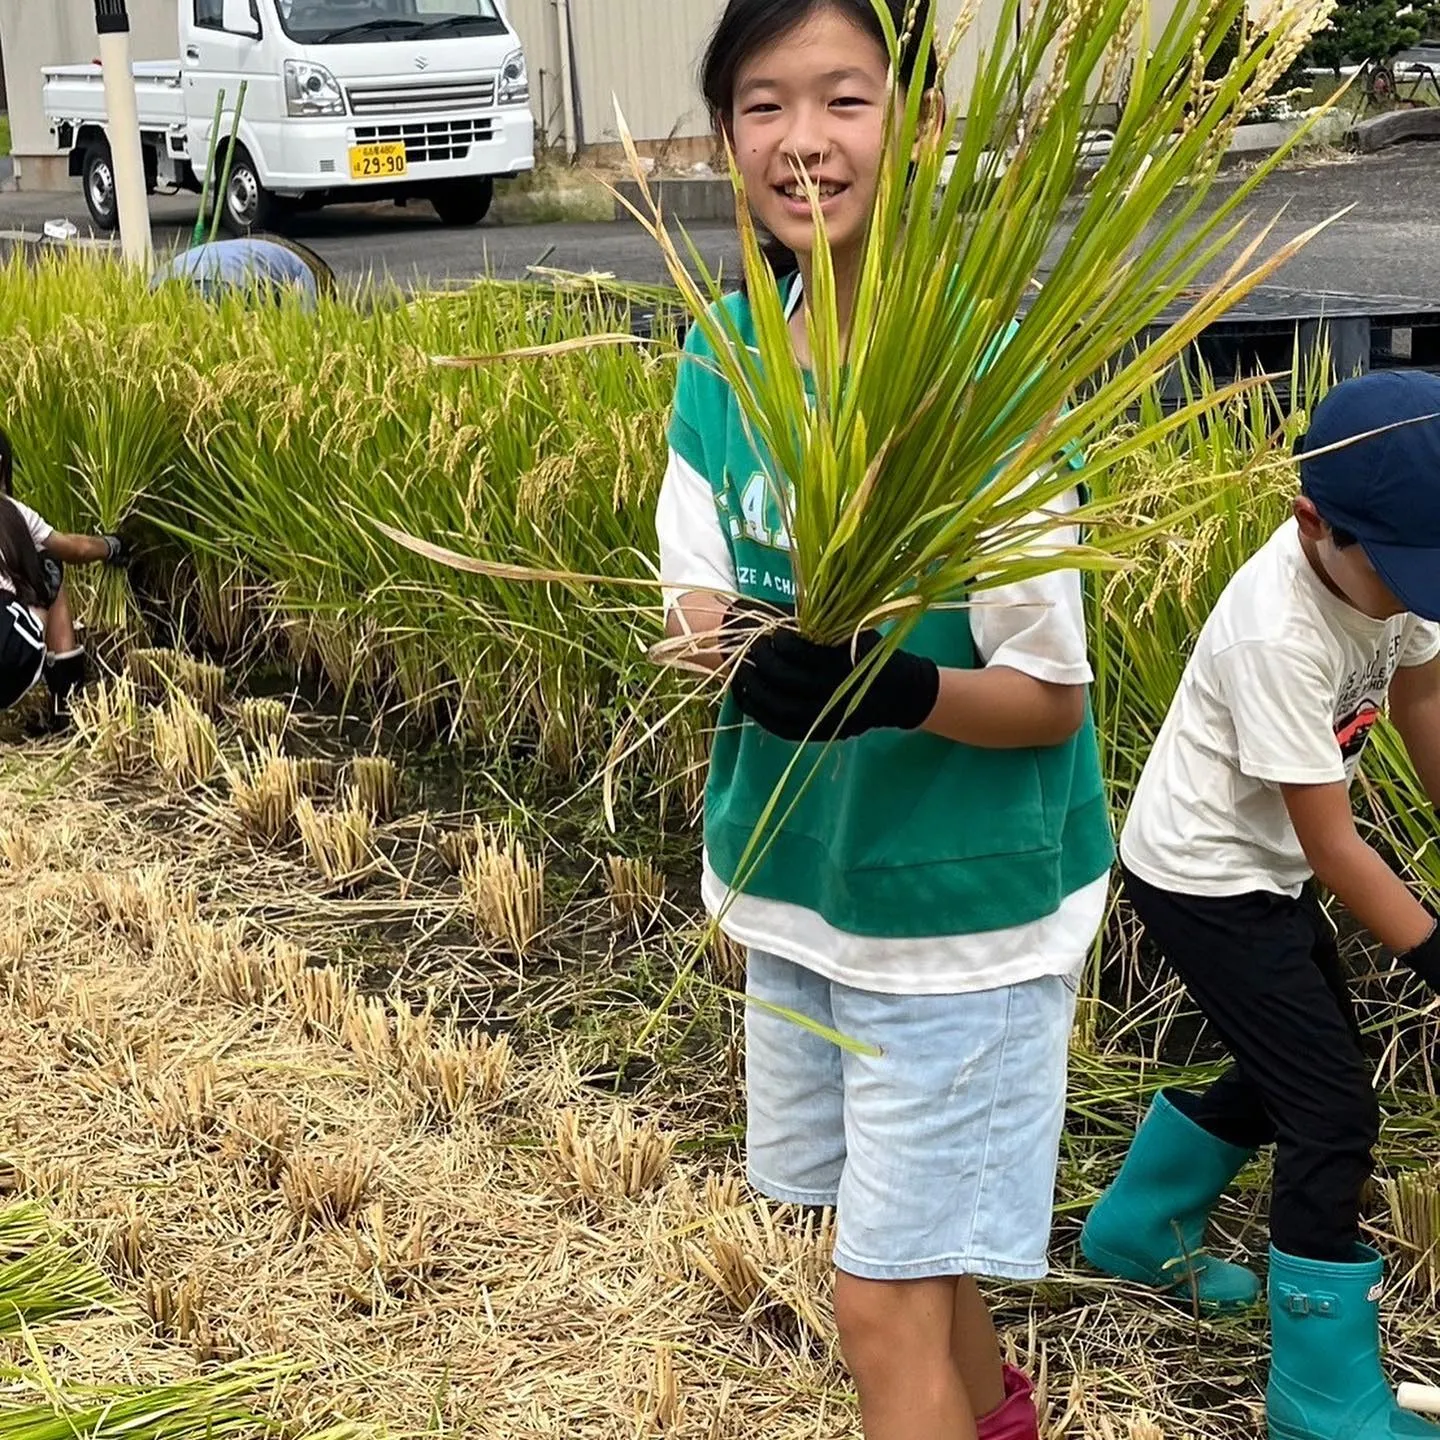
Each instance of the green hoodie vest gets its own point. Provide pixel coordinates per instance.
(896, 834)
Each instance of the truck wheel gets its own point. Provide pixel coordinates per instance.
(99, 179)
(463, 202)
(247, 204)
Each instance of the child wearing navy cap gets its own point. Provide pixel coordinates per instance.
(1243, 807)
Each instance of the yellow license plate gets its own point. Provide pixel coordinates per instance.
(378, 162)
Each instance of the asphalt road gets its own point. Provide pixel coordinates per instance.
(1386, 245)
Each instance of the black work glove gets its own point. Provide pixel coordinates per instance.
(1424, 960)
(117, 551)
(792, 687)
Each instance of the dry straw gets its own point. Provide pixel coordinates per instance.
(110, 723)
(504, 887)
(339, 842)
(185, 743)
(262, 722)
(636, 888)
(616, 1158)
(374, 786)
(264, 790)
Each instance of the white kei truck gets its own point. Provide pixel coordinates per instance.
(347, 101)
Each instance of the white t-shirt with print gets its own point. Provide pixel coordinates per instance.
(40, 532)
(1284, 687)
(1036, 627)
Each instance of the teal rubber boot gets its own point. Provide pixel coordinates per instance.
(1149, 1226)
(1325, 1377)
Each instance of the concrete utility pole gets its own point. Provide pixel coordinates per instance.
(112, 24)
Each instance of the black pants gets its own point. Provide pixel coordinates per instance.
(22, 650)
(1266, 972)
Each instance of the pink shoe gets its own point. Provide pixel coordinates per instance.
(1016, 1419)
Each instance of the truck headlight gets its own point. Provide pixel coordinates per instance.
(514, 80)
(312, 90)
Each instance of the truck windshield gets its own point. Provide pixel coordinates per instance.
(361, 22)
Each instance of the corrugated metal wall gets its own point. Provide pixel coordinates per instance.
(62, 32)
(644, 52)
(647, 54)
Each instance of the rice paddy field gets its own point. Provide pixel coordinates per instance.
(365, 1065)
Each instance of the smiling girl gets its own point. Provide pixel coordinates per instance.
(934, 892)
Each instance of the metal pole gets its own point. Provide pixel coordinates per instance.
(112, 24)
(567, 80)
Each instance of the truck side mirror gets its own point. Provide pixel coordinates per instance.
(237, 17)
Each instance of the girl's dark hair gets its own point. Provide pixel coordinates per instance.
(750, 25)
(18, 556)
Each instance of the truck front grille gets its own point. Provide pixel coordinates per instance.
(475, 93)
(429, 139)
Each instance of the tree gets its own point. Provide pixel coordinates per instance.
(1362, 30)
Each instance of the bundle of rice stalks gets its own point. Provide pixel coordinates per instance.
(262, 722)
(1414, 1201)
(636, 889)
(322, 1191)
(110, 723)
(505, 890)
(374, 786)
(42, 1278)
(616, 1159)
(935, 434)
(769, 1263)
(185, 743)
(339, 842)
(264, 790)
(208, 1408)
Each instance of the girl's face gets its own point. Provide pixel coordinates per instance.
(815, 101)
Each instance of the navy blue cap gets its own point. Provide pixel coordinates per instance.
(1385, 489)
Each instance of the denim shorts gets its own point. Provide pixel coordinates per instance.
(938, 1154)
